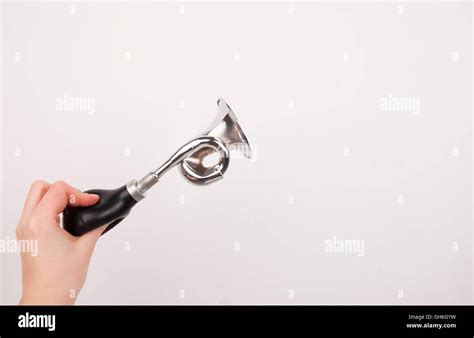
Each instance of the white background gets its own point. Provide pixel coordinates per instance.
(306, 81)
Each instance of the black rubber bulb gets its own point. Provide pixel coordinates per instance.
(112, 208)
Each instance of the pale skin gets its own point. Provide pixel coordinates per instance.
(58, 272)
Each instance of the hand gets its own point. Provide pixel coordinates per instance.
(58, 271)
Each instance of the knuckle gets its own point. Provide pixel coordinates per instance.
(39, 184)
(60, 184)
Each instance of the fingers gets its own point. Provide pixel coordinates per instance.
(59, 195)
(37, 190)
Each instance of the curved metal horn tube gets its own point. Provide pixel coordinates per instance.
(197, 173)
(224, 132)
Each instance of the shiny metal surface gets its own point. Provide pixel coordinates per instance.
(132, 188)
(223, 135)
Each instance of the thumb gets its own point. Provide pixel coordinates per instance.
(87, 241)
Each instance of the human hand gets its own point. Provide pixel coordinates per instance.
(58, 272)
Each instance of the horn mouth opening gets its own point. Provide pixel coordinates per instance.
(243, 145)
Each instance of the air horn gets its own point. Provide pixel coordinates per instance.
(224, 135)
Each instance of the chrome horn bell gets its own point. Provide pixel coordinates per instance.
(224, 135)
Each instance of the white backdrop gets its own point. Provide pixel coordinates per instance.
(360, 115)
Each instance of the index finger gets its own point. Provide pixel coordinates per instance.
(61, 195)
(37, 190)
